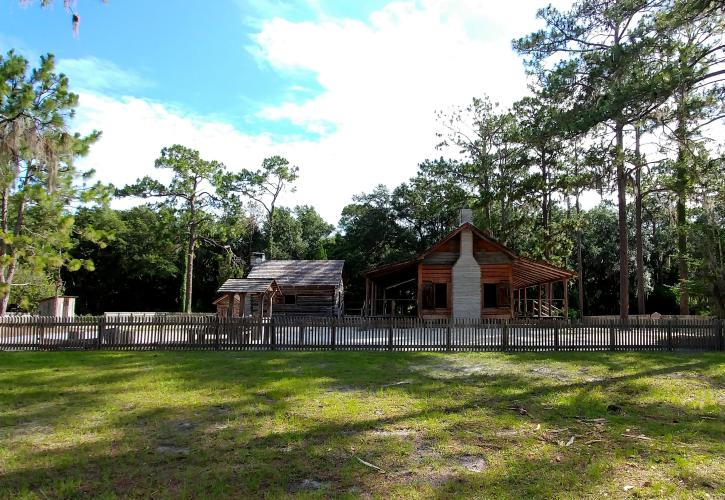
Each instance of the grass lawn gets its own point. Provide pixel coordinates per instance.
(361, 424)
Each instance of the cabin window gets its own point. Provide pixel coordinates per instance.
(489, 295)
(290, 300)
(504, 296)
(496, 295)
(441, 293)
(435, 295)
(428, 295)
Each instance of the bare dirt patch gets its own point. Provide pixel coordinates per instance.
(473, 463)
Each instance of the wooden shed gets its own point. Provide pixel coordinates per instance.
(467, 274)
(247, 297)
(61, 306)
(308, 287)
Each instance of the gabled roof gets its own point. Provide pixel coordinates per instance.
(396, 266)
(526, 272)
(247, 285)
(477, 232)
(300, 272)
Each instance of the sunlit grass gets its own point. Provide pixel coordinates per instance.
(165, 424)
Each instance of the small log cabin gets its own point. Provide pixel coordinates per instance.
(305, 288)
(467, 275)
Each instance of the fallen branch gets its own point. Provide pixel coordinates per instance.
(640, 436)
(591, 420)
(369, 464)
(402, 382)
(591, 441)
(520, 410)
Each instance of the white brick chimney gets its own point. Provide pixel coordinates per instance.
(464, 216)
(257, 258)
(466, 278)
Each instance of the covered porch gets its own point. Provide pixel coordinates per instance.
(247, 297)
(540, 290)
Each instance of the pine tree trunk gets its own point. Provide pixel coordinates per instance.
(190, 269)
(270, 243)
(681, 182)
(638, 225)
(579, 260)
(622, 215)
(8, 273)
(184, 285)
(187, 291)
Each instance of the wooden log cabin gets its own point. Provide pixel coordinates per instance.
(467, 275)
(306, 287)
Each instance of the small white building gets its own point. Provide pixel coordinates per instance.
(62, 306)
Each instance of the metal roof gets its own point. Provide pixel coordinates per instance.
(300, 272)
(246, 285)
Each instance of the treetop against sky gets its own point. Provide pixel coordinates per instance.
(343, 89)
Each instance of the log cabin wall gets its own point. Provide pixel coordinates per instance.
(434, 274)
(496, 268)
(307, 301)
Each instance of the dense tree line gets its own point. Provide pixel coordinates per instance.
(626, 104)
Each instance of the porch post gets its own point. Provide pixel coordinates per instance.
(243, 305)
(539, 300)
(419, 288)
(526, 304)
(271, 300)
(511, 297)
(566, 298)
(366, 304)
(550, 294)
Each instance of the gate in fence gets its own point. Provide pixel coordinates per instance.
(355, 333)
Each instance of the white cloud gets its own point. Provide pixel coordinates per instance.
(94, 74)
(383, 80)
(134, 131)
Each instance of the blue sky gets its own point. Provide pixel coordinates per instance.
(347, 90)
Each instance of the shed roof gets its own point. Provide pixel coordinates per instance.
(530, 272)
(247, 285)
(300, 272)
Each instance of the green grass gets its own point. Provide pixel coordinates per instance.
(205, 424)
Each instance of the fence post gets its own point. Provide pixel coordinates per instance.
(612, 337)
(272, 334)
(504, 336)
(669, 335)
(217, 327)
(390, 335)
(448, 335)
(333, 333)
(556, 336)
(719, 345)
(100, 328)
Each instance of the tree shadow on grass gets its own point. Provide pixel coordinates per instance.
(239, 442)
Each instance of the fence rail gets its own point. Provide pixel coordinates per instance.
(355, 333)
